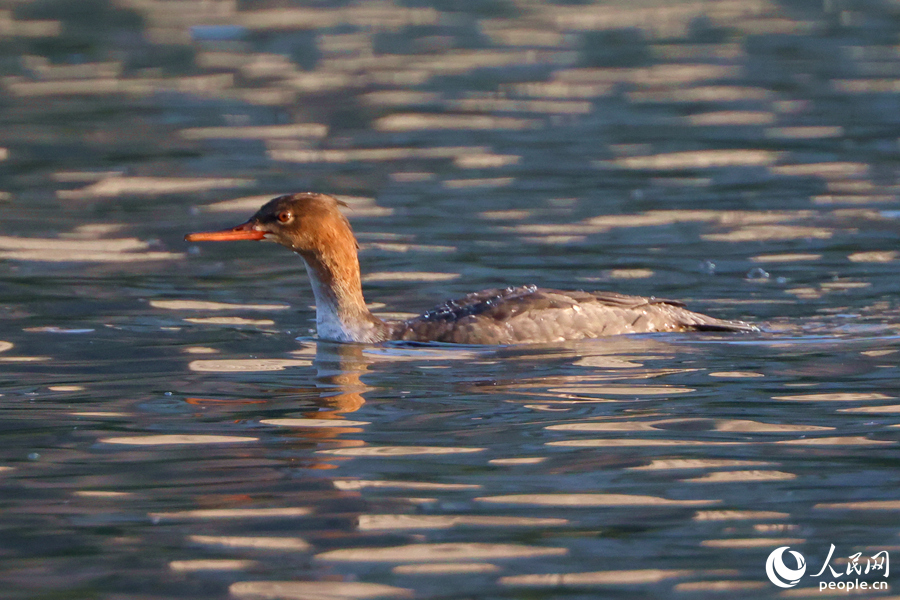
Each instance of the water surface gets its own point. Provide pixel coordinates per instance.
(173, 429)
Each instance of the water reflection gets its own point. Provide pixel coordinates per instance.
(166, 435)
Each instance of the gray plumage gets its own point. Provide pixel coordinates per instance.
(533, 315)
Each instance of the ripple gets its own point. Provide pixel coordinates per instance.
(719, 586)
(735, 374)
(102, 494)
(752, 542)
(211, 564)
(697, 463)
(699, 159)
(248, 365)
(314, 590)
(312, 422)
(780, 258)
(849, 440)
(861, 505)
(424, 122)
(229, 321)
(631, 442)
(748, 426)
(399, 451)
(439, 552)
(742, 476)
(835, 397)
(445, 569)
(738, 515)
(203, 305)
(400, 522)
(112, 187)
(176, 439)
(293, 130)
(232, 513)
(874, 257)
(889, 408)
(621, 390)
(359, 484)
(254, 542)
(410, 276)
(634, 577)
(525, 460)
(588, 500)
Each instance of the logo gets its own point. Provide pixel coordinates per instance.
(779, 573)
(786, 577)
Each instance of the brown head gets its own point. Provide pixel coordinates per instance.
(308, 223)
(312, 226)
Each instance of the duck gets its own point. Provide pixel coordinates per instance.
(313, 226)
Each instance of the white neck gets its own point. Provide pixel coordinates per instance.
(335, 320)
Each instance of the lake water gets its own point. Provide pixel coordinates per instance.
(173, 429)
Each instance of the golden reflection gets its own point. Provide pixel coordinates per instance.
(314, 423)
(404, 522)
(359, 484)
(526, 460)
(176, 440)
(836, 397)
(232, 513)
(742, 476)
(752, 542)
(590, 500)
(463, 551)
(205, 305)
(862, 505)
(719, 586)
(314, 590)
(312, 130)
(410, 276)
(849, 440)
(425, 122)
(102, 494)
(633, 577)
(445, 569)
(112, 187)
(738, 515)
(733, 425)
(395, 451)
(890, 408)
(735, 374)
(211, 564)
(874, 257)
(767, 233)
(667, 464)
(781, 258)
(255, 542)
(826, 170)
(250, 365)
(122, 250)
(635, 443)
(229, 321)
(732, 117)
(698, 159)
(709, 93)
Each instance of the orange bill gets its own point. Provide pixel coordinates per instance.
(241, 232)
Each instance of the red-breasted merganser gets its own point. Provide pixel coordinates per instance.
(313, 226)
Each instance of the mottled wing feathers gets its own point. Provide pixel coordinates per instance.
(532, 315)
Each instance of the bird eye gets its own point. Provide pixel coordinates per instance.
(284, 216)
